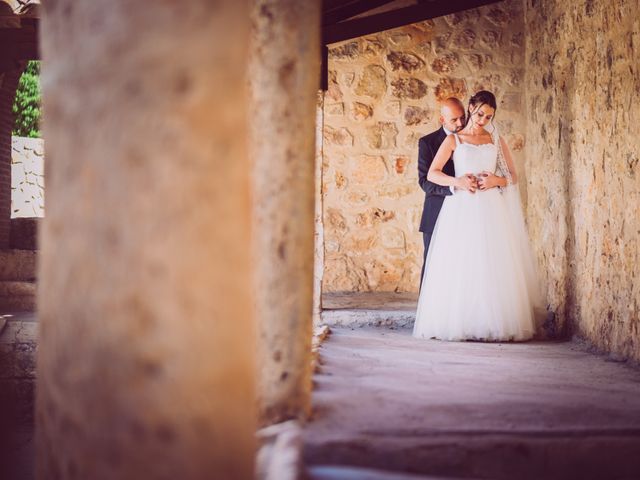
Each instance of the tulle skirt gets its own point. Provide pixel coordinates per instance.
(480, 280)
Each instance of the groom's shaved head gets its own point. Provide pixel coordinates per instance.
(451, 103)
(452, 114)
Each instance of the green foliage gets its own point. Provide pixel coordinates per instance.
(26, 107)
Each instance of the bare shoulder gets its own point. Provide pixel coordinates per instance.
(450, 141)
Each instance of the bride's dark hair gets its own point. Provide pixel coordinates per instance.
(483, 97)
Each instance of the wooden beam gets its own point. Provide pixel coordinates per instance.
(27, 51)
(10, 36)
(351, 9)
(20, 43)
(396, 18)
(328, 5)
(324, 68)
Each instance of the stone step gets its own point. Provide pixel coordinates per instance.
(355, 318)
(18, 265)
(370, 301)
(559, 455)
(384, 400)
(17, 296)
(337, 472)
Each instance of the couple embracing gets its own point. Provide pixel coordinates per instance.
(478, 280)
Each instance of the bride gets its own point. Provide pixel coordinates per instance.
(480, 281)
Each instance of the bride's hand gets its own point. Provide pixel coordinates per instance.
(467, 182)
(487, 180)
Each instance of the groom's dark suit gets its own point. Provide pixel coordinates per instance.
(427, 148)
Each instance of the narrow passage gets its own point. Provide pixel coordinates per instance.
(384, 400)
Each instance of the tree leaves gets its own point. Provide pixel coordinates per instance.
(26, 107)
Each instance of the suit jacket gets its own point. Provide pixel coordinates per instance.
(435, 194)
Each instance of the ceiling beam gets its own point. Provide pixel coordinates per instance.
(324, 68)
(9, 36)
(328, 5)
(350, 9)
(396, 18)
(20, 43)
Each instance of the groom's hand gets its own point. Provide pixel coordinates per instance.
(487, 180)
(467, 182)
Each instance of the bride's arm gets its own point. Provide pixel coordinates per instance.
(436, 175)
(509, 159)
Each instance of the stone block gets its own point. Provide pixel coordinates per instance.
(334, 92)
(335, 220)
(400, 39)
(511, 102)
(340, 180)
(466, 39)
(491, 38)
(361, 111)
(346, 51)
(369, 169)
(404, 61)
(371, 47)
(346, 78)
(382, 135)
(499, 16)
(413, 88)
(373, 217)
(383, 275)
(450, 87)
(342, 274)
(335, 109)
(373, 82)
(356, 198)
(400, 164)
(397, 191)
(337, 136)
(359, 242)
(392, 107)
(445, 63)
(416, 115)
(392, 238)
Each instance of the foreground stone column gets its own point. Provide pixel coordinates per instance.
(145, 364)
(284, 76)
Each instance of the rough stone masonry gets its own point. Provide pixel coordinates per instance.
(383, 96)
(582, 92)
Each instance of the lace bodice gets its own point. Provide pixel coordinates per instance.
(469, 158)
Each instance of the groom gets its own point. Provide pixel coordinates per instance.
(452, 120)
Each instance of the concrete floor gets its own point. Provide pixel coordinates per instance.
(384, 400)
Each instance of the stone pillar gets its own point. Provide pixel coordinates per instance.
(145, 363)
(318, 267)
(284, 77)
(8, 85)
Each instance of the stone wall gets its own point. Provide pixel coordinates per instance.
(383, 96)
(27, 177)
(583, 89)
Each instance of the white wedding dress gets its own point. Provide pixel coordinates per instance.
(480, 281)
